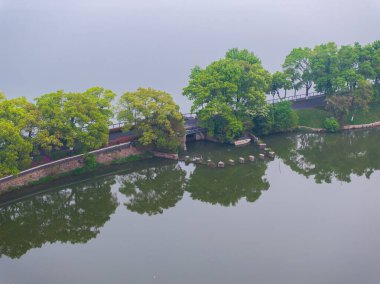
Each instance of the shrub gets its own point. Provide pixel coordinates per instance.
(284, 117)
(331, 124)
(281, 117)
(90, 161)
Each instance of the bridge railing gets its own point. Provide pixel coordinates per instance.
(189, 116)
(116, 125)
(294, 97)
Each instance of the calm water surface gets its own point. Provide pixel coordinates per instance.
(308, 216)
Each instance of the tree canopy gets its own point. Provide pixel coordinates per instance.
(280, 80)
(74, 120)
(153, 116)
(297, 66)
(14, 150)
(58, 120)
(229, 93)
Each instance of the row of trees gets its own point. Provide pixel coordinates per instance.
(348, 75)
(229, 95)
(79, 122)
(229, 98)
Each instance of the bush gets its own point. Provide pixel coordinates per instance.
(331, 124)
(285, 117)
(90, 161)
(281, 117)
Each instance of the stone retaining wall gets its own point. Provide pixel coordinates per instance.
(103, 156)
(360, 126)
(345, 127)
(170, 156)
(311, 129)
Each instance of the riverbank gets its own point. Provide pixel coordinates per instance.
(314, 117)
(123, 153)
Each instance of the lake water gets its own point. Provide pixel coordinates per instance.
(308, 216)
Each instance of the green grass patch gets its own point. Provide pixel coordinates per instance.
(313, 117)
(132, 158)
(363, 117)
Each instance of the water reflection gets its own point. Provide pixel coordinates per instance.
(227, 186)
(330, 156)
(74, 214)
(153, 189)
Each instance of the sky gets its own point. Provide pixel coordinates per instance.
(121, 45)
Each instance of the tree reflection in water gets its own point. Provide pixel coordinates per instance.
(74, 214)
(226, 186)
(330, 156)
(154, 189)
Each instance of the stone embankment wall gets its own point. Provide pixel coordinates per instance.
(361, 126)
(103, 156)
(165, 155)
(310, 129)
(345, 127)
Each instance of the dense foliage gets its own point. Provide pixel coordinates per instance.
(228, 96)
(348, 75)
(14, 150)
(77, 121)
(229, 93)
(154, 117)
(331, 124)
(74, 120)
(281, 118)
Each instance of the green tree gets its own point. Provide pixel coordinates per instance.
(14, 150)
(280, 80)
(154, 117)
(23, 114)
(375, 65)
(348, 73)
(281, 118)
(285, 117)
(324, 67)
(229, 93)
(345, 103)
(297, 65)
(339, 106)
(74, 120)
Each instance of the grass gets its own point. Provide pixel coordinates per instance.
(313, 117)
(362, 117)
(132, 158)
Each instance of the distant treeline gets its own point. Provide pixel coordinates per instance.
(228, 96)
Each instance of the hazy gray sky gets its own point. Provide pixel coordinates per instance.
(48, 45)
